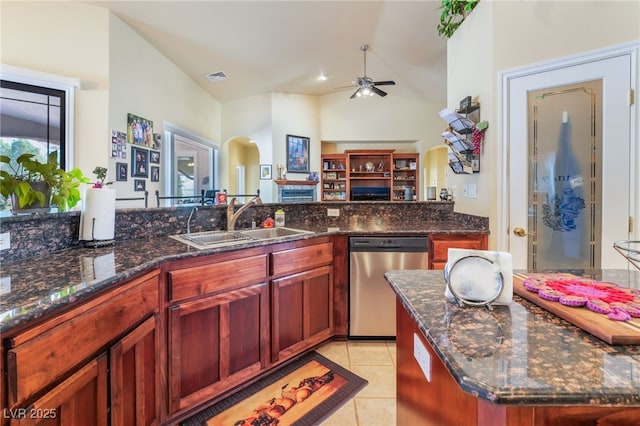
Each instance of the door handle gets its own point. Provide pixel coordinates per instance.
(520, 232)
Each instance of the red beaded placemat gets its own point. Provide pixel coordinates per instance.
(604, 309)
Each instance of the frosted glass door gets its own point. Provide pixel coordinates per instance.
(565, 169)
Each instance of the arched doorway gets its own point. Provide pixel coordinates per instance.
(435, 168)
(243, 166)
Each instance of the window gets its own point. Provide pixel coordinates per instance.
(37, 109)
(32, 120)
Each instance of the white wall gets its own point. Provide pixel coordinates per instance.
(78, 49)
(251, 118)
(119, 71)
(500, 35)
(145, 83)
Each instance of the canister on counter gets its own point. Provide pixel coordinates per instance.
(279, 217)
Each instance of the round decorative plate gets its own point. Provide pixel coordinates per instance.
(474, 280)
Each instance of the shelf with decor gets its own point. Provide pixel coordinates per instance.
(405, 176)
(464, 136)
(335, 185)
(370, 175)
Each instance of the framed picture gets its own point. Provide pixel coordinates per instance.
(121, 172)
(139, 131)
(139, 184)
(154, 157)
(155, 174)
(265, 171)
(297, 154)
(139, 162)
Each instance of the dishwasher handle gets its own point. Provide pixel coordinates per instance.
(388, 244)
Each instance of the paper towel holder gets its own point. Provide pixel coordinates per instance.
(97, 243)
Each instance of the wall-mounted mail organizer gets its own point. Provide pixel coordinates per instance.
(463, 142)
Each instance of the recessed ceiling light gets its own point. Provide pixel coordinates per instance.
(322, 77)
(217, 76)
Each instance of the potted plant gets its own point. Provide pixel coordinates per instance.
(33, 186)
(453, 13)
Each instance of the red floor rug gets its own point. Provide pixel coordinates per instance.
(304, 392)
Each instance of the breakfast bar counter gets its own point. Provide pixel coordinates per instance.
(513, 365)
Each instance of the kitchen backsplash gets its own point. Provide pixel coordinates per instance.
(33, 235)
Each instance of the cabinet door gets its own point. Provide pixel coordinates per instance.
(134, 377)
(79, 400)
(439, 246)
(46, 353)
(215, 343)
(302, 314)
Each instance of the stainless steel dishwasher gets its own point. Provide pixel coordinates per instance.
(372, 302)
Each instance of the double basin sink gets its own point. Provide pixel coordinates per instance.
(210, 239)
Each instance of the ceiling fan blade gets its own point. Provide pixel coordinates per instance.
(378, 91)
(354, 94)
(384, 83)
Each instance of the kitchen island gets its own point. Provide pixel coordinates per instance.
(515, 365)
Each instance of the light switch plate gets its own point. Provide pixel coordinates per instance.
(421, 355)
(473, 190)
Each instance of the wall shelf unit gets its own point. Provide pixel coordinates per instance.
(335, 185)
(464, 154)
(370, 175)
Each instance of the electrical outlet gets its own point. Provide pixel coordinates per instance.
(421, 355)
(333, 212)
(5, 241)
(5, 285)
(465, 190)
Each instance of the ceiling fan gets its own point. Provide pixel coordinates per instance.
(366, 85)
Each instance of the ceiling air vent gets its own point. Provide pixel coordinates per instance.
(215, 77)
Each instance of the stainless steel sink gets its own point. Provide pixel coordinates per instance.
(210, 239)
(271, 233)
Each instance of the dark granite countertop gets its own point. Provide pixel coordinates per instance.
(521, 354)
(40, 285)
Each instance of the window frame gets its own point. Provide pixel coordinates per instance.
(44, 80)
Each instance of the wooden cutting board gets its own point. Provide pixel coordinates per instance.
(612, 332)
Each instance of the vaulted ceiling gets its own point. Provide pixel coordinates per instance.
(285, 46)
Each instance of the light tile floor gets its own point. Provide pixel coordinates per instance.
(375, 404)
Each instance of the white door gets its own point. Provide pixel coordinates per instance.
(616, 190)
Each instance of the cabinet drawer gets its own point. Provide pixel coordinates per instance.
(301, 259)
(37, 362)
(217, 276)
(441, 248)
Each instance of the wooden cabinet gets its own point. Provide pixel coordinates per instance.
(218, 327)
(440, 401)
(135, 376)
(439, 245)
(302, 310)
(405, 177)
(334, 183)
(81, 399)
(61, 363)
(369, 175)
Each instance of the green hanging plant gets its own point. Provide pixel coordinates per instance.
(454, 12)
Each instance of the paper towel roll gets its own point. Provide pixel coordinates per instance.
(98, 214)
